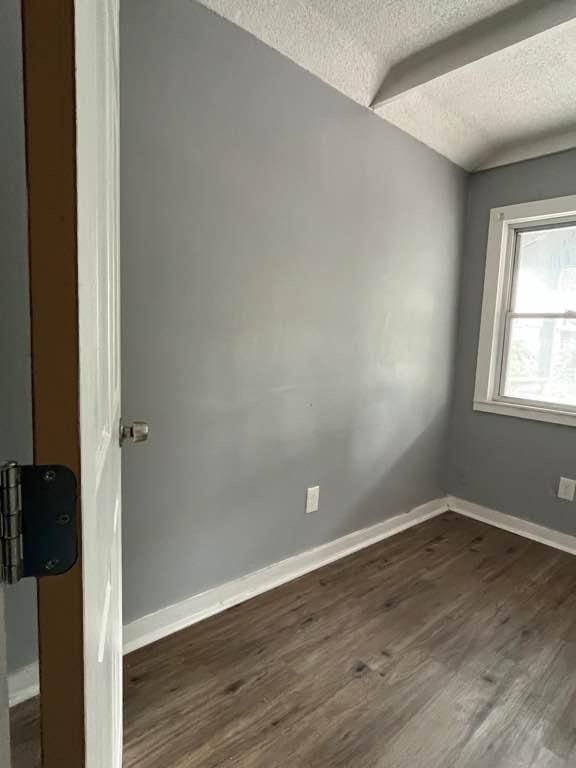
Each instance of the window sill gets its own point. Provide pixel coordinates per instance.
(552, 416)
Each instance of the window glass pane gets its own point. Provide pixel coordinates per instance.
(541, 362)
(545, 279)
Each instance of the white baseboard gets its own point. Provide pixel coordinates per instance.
(23, 684)
(164, 622)
(528, 530)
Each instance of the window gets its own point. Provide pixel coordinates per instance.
(527, 349)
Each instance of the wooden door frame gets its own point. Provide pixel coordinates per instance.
(50, 120)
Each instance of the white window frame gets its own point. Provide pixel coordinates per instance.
(500, 255)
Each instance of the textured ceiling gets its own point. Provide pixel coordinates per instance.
(352, 43)
(524, 95)
(512, 104)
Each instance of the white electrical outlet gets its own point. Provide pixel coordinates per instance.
(566, 489)
(312, 497)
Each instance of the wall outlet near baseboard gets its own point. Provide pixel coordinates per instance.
(566, 488)
(312, 499)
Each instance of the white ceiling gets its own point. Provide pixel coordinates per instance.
(516, 100)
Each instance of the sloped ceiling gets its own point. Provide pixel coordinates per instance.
(483, 82)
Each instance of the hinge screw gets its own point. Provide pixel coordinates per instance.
(51, 564)
(63, 519)
(49, 475)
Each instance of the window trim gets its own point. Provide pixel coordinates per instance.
(498, 279)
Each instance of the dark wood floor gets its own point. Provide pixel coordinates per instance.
(451, 645)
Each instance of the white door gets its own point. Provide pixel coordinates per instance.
(4, 716)
(97, 109)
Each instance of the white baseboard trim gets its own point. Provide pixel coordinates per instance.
(164, 622)
(23, 684)
(528, 530)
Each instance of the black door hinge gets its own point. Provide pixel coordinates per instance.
(38, 522)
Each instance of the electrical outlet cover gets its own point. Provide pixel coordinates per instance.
(566, 489)
(312, 498)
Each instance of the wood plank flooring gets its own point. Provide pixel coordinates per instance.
(451, 645)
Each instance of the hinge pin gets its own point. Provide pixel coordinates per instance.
(11, 562)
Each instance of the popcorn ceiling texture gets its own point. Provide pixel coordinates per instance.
(471, 115)
(351, 43)
(523, 94)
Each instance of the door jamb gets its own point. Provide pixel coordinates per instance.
(50, 120)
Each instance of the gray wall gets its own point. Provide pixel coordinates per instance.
(15, 382)
(289, 284)
(4, 718)
(503, 462)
